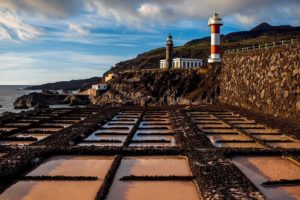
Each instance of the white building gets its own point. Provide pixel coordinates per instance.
(184, 63)
(101, 86)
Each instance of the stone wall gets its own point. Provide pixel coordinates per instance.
(266, 80)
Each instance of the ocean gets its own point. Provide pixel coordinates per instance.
(8, 95)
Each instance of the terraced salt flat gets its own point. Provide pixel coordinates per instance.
(154, 166)
(155, 126)
(16, 143)
(215, 126)
(74, 166)
(17, 124)
(268, 168)
(101, 144)
(269, 137)
(227, 137)
(45, 129)
(285, 145)
(60, 190)
(154, 131)
(34, 135)
(105, 137)
(241, 122)
(63, 125)
(49, 190)
(199, 122)
(149, 131)
(239, 145)
(219, 130)
(249, 126)
(152, 190)
(114, 132)
(120, 123)
(6, 129)
(260, 131)
(204, 118)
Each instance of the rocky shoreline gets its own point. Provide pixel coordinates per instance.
(47, 98)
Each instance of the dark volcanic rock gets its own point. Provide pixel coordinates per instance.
(39, 100)
(175, 87)
(75, 100)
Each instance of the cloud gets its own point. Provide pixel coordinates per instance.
(79, 30)
(13, 25)
(45, 8)
(4, 34)
(145, 12)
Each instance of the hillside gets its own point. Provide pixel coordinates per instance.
(199, 48)
(82, 84)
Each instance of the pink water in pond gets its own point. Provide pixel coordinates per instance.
(54, 190)
(74, 166)
(153, 190)
(262, 169)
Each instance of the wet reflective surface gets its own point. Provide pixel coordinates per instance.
(260, 131)
(153, 166)
(114, 132)
(262, 169)
(16, 143)
(34, 135)
(216, 138)
(74, 166)
(239, 145)
(154, 190)
(58, 190)
(272, 137)
(285, 145)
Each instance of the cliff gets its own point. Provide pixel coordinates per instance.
(175, 87)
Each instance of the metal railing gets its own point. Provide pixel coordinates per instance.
(263, 46)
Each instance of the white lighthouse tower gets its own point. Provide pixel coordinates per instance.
(215, 22)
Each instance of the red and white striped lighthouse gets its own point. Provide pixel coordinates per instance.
(215, 22)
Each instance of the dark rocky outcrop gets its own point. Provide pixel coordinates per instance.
(175, 87)
(38, 100)
(43, 100)
(75, 100)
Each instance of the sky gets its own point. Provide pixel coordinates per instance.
(45, 41)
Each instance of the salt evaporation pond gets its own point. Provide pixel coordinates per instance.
(74, 166)
(58, 190)
(62, 190)
(153, 190)
(260, 169)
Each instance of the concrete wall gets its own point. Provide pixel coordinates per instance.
(265, 80)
